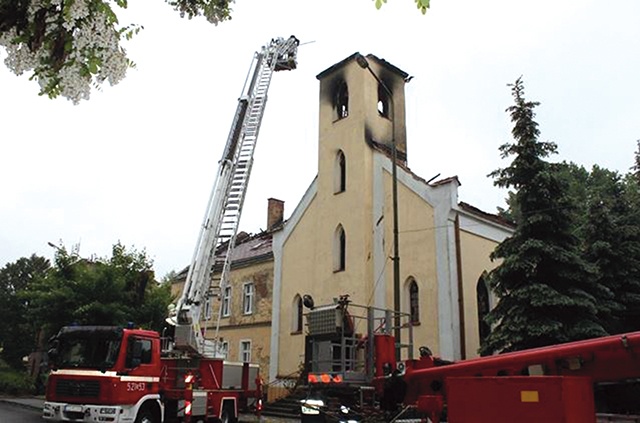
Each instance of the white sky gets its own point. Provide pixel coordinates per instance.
(136, 162)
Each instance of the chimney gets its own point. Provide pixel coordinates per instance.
(275, 213)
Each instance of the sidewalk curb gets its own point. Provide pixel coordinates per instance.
(19, 402)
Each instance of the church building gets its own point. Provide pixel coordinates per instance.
(339, 239)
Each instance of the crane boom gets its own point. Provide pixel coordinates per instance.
(220, 225)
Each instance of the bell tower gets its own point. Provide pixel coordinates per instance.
(361, 117)
(362, 100)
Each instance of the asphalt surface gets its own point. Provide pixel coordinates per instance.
(18, 413)
(34, 406)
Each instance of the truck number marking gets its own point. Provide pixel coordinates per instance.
(132, 386)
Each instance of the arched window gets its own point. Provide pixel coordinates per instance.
(482, 298)
(340, 174)
(414, 301)
(296, 314)
(339, 249)
(384, 102)
(341, 100)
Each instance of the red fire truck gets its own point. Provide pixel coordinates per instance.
(112, 374)
(353, 376)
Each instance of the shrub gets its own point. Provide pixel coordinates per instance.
(13, 382)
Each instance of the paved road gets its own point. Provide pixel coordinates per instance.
(11, 413)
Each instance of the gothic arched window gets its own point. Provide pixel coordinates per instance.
(339, 249)
(414, 301)
(340, 175)
(482, 298)
(296, 314)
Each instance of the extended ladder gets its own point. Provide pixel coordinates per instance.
(220, 226)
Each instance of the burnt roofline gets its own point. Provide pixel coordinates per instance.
(381, 62)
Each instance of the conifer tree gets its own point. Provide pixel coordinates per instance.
(610, 244)
(635, 169)
(546, 292)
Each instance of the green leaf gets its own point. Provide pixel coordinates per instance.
(104, 7)
(93, 66)
(423, 5)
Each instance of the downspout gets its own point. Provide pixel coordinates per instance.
(463, 347)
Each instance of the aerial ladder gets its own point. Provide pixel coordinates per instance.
(220, 225)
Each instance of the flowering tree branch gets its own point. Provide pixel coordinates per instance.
(72, 46)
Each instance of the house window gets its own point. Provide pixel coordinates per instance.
(224, 349)
(226, 302)
(245, 351)
(341, 100)
(296, 314)
(207, 309)
(340, 174)
(247, 298)
(414, 301)
(482, 298)
(339, 250)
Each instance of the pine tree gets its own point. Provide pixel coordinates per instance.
(546, 292)
(635, 169)
(610, 244)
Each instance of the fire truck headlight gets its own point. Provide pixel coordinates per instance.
(107, 410)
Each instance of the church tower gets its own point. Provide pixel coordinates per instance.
(362, 100)
(361, 113)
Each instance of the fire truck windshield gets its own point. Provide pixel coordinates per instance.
(91, 348)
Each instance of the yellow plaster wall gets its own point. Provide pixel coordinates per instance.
(474, 252)
(417, 248)
(256, 326)
(301, 261)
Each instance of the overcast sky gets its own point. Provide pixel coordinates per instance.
(136, 162)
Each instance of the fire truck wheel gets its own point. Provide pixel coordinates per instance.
(145, 415)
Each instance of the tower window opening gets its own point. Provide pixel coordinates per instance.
(341, 101)
(384, 102)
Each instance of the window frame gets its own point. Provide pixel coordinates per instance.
(208, 312)
(242, 351)
(224, 347)
(248, 298)
(225, 307)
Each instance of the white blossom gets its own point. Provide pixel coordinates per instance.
(19, 58)
(77, 10)
(95, 47)
(74, 86)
